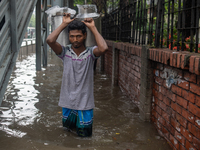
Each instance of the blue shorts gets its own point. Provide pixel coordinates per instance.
(81, 120)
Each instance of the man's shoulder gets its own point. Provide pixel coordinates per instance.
(91, 47)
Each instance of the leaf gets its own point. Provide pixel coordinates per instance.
(117, 133)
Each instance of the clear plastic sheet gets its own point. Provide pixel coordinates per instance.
(56, 11)
(87, 11)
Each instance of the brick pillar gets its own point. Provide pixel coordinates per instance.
(115, 60)
(146, 85)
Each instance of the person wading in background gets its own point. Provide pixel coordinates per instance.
(76, 96)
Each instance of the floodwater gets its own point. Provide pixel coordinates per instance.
(31, 118)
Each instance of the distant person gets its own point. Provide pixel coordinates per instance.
(76, 96)
(31, 33)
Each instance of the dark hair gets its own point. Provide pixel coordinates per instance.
(77, 25)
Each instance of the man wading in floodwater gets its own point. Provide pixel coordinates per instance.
(76, 96)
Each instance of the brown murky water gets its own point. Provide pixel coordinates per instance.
(31, 118)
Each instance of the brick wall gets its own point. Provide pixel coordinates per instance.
(175, 106)
(108, 61)
(175, 92)
(129, 74)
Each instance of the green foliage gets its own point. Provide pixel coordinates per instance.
(81, 2)
(32, 21)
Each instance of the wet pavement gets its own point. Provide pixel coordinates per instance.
(30, 118)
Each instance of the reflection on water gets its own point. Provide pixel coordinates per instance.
(31, 119)
(20, 98)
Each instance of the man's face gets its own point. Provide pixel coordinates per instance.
(77, 38)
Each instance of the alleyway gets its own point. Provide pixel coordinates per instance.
(31, 118)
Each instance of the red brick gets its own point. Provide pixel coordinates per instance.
(163, 57)
(166, 116)
(165, 132)
(186, 134)
(157, 108)
(170, 128)
(154, 113)
(168, 110)
(197, 66)
(167, 56)
(153, 119)
(161, 120)
(195, 88)
(189, 146)
(182, 102)
(194, 130)
(184, 60)
(174, 97)
(192, 64)
(176, 89)
(166, 100)
(187, 115)
(174, 142)
(166, 85)
(173, 114)
(156, 100)
(174, 61)
(197, 101)
(162, 105)
(190, 77)
(198, 80)
(175, 124)
(197, 122)
(171, 59)
(184, 84)
(160, 96)
(182, 147)
(188, 96)
(176, 107)
(169, 94)
(179, 55)
(163, 90)
(194, 109)
(155, 55)
(180, 138)
(159, 80)
(160, 53)
(196, 143)
(181, 120)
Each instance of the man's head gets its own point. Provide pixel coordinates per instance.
(77, 33)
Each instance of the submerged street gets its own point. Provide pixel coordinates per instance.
(31, 118)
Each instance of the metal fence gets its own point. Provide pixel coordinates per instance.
(14, 16)
(159, 23)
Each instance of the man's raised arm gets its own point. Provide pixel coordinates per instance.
(101, 43)
(51, 39)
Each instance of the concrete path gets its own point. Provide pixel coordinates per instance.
(31, 118)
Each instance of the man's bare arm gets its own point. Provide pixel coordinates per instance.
(101, 43)
(51, 39)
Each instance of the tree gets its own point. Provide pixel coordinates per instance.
(32, 21)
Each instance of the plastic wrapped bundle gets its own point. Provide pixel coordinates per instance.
(55, 15)
(87, 11)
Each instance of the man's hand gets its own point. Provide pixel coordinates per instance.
(102, 46)
(89, 22)
(67, 19)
